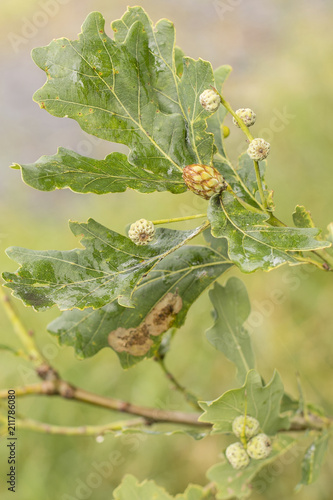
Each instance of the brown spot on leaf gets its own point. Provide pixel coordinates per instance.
(137, 341)
(162, 316)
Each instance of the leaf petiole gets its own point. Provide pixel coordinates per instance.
(178, 219)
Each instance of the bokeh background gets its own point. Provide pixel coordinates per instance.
(281, 53)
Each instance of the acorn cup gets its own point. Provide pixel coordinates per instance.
(203, 180)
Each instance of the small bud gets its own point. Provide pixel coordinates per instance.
(259, 447)
(248, 425)
(226, 131)
(141, 232)
(247, 116)
(210, 100)
(203, 180)
(258, 149)
(237, 456)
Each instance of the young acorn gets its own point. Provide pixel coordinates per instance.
(141, 232)
(247, 116)
(258, 149)
(203, 180)
(237, 456)
(259, 447)
(249, 425)
(210, 100)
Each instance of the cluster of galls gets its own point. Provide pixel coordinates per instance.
(258, 445)
(258, 149)
(205, 180)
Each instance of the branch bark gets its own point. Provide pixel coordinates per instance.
(83, 430)
(299, 423)
(67, 391)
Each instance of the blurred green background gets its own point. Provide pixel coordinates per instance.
(281, 52)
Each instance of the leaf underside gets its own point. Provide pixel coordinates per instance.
(231, 309)
(313, 460)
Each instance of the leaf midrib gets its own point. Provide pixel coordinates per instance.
(120, 103)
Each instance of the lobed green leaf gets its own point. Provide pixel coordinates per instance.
(215, 122)
(253, 243)
(313, 460)
(231, 309)
(130, 488)
(126, 90)
(109, 268)
(260, 401)
(232, 483)
(81, 174)
(185, 273)
(302, 217)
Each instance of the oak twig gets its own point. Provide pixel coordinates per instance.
(83, 430)
(190, 398)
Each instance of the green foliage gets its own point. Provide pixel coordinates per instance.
(110, 267)
(187, 272)
(231, 309)
(215, 122)
(232, 483)
(148, 490)
(140, 90)
(164, 430)
(122, 96)
(85, 175)
(302, 217)
(253, 243)
(313, 459)
(255, 399)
